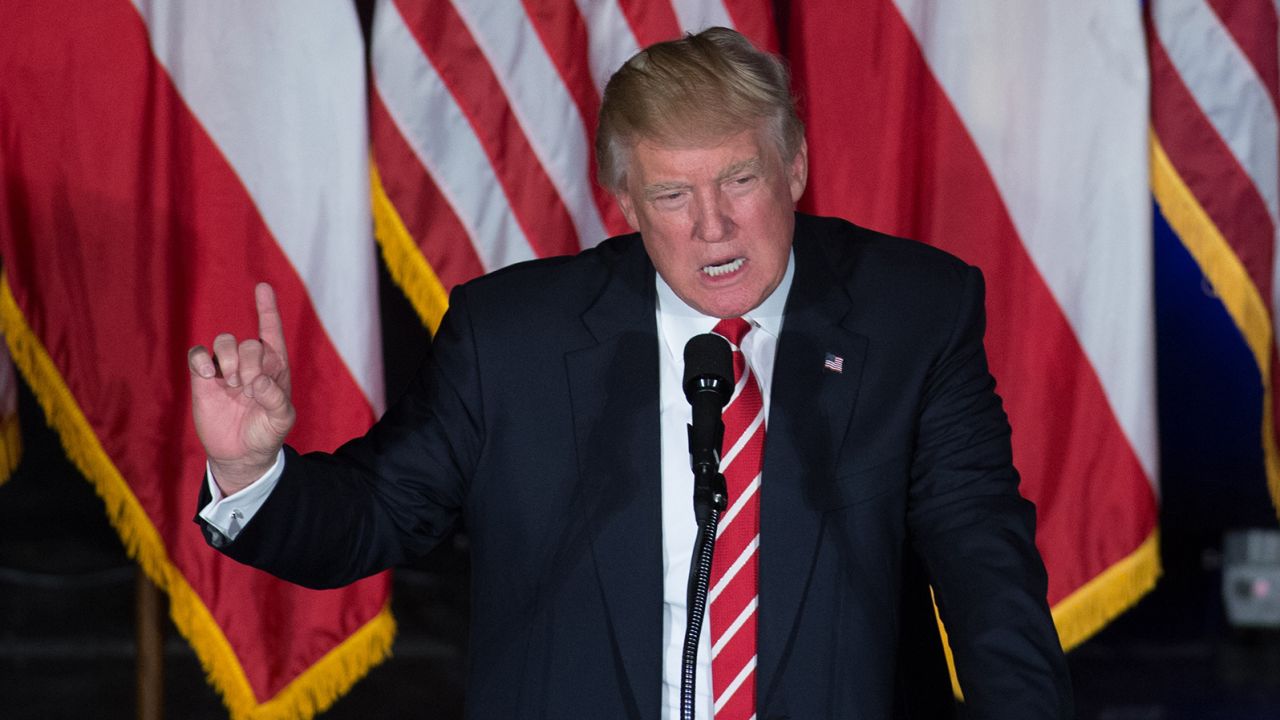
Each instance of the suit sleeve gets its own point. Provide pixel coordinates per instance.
(976, 534)
(384, 497)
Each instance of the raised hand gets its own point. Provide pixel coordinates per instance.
(240, 398)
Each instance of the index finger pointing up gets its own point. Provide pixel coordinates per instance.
(270, 327)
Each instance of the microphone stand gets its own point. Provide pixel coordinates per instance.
(710, 497)
(708, 385)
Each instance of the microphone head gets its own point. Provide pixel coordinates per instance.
(708, 367)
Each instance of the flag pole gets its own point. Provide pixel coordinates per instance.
(150, 645)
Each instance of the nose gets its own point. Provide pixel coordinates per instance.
(713, 216)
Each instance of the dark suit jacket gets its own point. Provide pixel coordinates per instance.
(536, 425)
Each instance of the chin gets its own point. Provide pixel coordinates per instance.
(725, 307)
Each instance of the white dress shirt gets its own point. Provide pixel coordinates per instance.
(677, 323)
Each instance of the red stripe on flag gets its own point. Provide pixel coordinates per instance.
(451, 49)
(651, 21)
(564, 38)
(426, 214)
(127, 237)
(1253, 25)
(754, 18)
(889, 151)
(1210, 170)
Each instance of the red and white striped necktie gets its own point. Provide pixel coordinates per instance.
(735, 565)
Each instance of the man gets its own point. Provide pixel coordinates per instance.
(551, 423)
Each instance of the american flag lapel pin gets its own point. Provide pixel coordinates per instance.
(833, 363)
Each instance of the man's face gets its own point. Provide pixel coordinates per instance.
(717, 219)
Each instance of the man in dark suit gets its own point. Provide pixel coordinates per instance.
(550, 423)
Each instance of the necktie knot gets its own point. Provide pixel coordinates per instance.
(733, 330)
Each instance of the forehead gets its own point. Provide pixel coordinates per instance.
(654, 160)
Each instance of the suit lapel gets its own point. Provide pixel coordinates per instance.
(810, 409)
(614, 384)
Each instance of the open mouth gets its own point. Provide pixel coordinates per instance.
(723, 268)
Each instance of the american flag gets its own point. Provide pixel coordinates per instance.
(483, 123)
(834, 363)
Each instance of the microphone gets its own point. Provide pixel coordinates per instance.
(708, 383)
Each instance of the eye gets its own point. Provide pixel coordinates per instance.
(669, 200)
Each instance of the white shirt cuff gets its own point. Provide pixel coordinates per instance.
(229, 514)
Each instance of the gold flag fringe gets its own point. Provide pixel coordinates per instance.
(311, 692)
(405, 261)
(1231, 282)
(10, 446)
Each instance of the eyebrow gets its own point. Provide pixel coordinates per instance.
(663, 187)
(752, 163)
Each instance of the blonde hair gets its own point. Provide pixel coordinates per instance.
(701, 87)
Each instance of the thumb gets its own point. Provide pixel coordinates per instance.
(272, 398)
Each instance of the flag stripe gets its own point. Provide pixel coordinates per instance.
(1254, 28)
(564, 38)
(424, 110)
(423, 209)
(543, 107)
(754, 18)
(611, 39)
(448, 43)
(1226, 87)
(1103, 286)
(698, 15)
(301, 194)
(1209, 169)
(888, 150)
(650, 21)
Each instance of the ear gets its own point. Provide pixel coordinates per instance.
(798, 173)
(628, 207)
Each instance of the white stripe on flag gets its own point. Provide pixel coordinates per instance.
(297, 139)
(430, 120)
(609, 37)
(1227, 88)
(698, 15)
(1022, 77)
(542, 104)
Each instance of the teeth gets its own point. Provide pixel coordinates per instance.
(716, 270)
